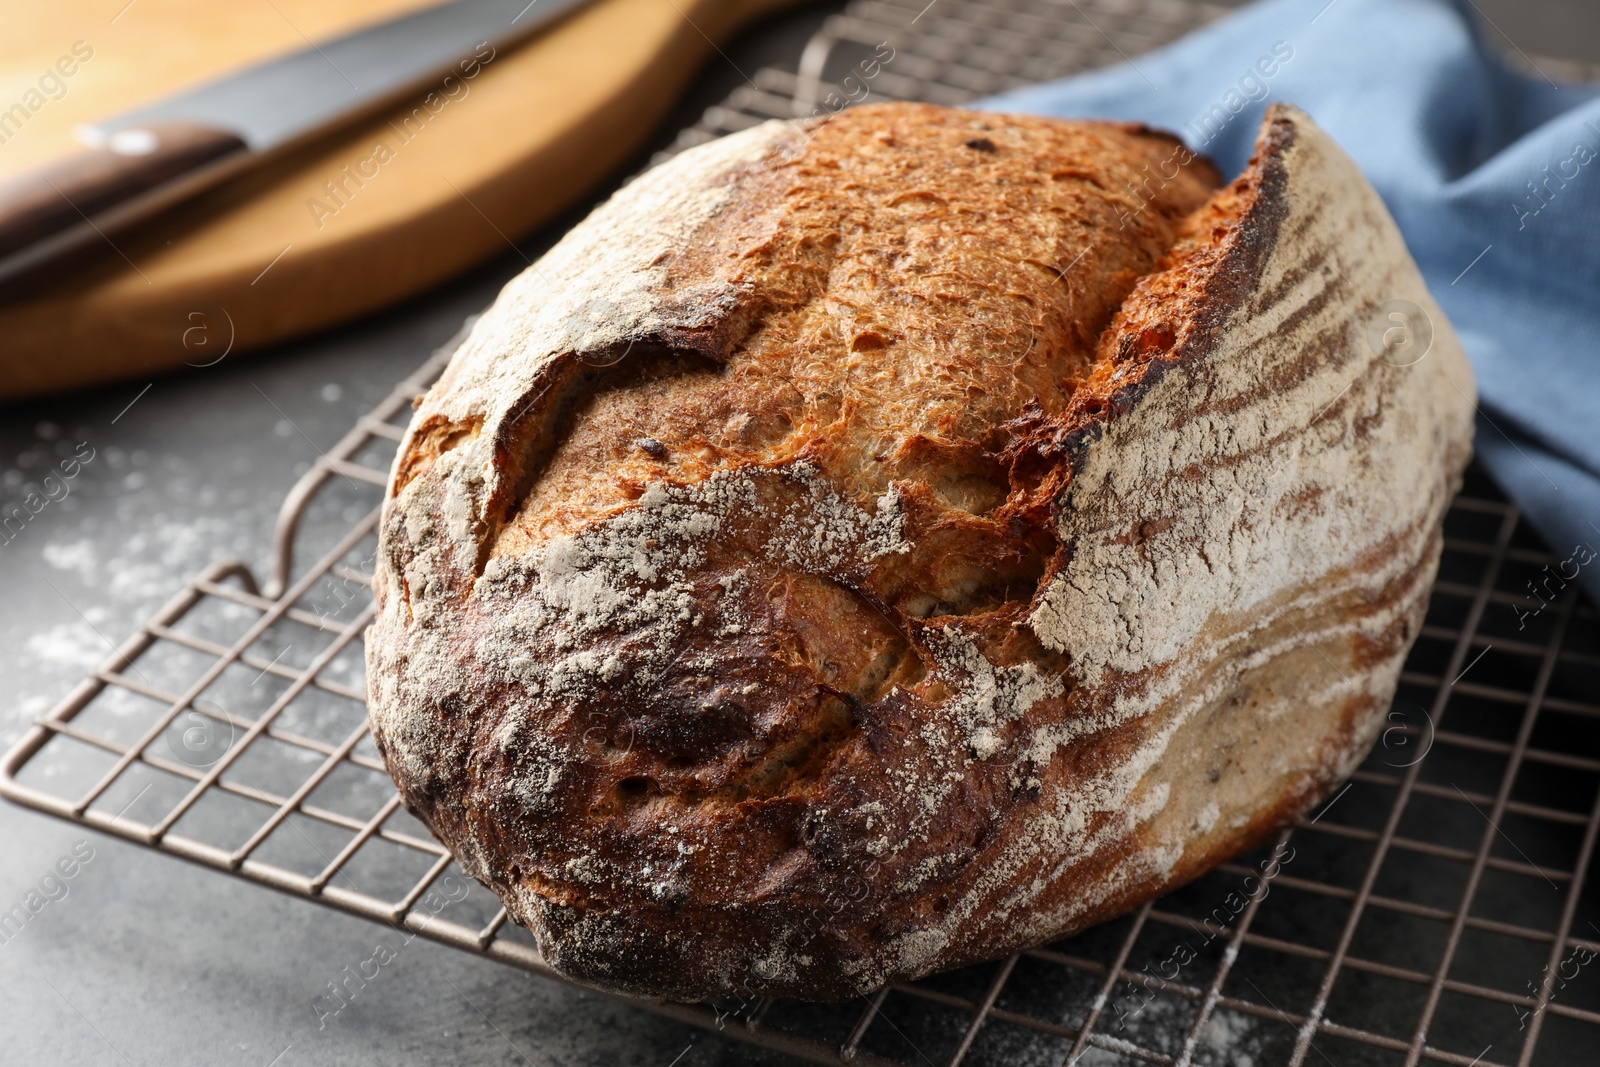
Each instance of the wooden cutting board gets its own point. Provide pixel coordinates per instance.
(372, 213)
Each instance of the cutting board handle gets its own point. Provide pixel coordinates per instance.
(62, 193)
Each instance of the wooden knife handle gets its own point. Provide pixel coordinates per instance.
(40, 202)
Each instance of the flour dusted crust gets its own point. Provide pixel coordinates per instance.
(869, 547)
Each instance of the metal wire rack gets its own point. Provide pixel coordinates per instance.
(1436, 910)
(947, 52)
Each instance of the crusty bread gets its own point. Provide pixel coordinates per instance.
(870, 547)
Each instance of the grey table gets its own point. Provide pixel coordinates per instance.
(144, 960)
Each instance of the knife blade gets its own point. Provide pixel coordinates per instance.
(146, 159)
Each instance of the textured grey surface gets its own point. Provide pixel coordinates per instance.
(1566, 29)
(147, 961)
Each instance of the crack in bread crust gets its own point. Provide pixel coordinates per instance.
(850, 554)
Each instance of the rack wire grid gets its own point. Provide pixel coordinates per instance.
(1435, 910)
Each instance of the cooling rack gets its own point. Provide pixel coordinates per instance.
(1436, 910)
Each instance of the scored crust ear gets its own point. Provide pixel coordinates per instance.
(1253, 520)
(1268, 376)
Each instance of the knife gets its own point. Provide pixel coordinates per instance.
(147, 159)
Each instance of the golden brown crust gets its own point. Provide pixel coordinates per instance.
(876, 240)
(860, 548)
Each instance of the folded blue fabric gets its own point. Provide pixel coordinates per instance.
(1493, 176)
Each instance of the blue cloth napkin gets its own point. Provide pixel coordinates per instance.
(1493, 176)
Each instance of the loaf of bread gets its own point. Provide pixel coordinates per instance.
(867, 547)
